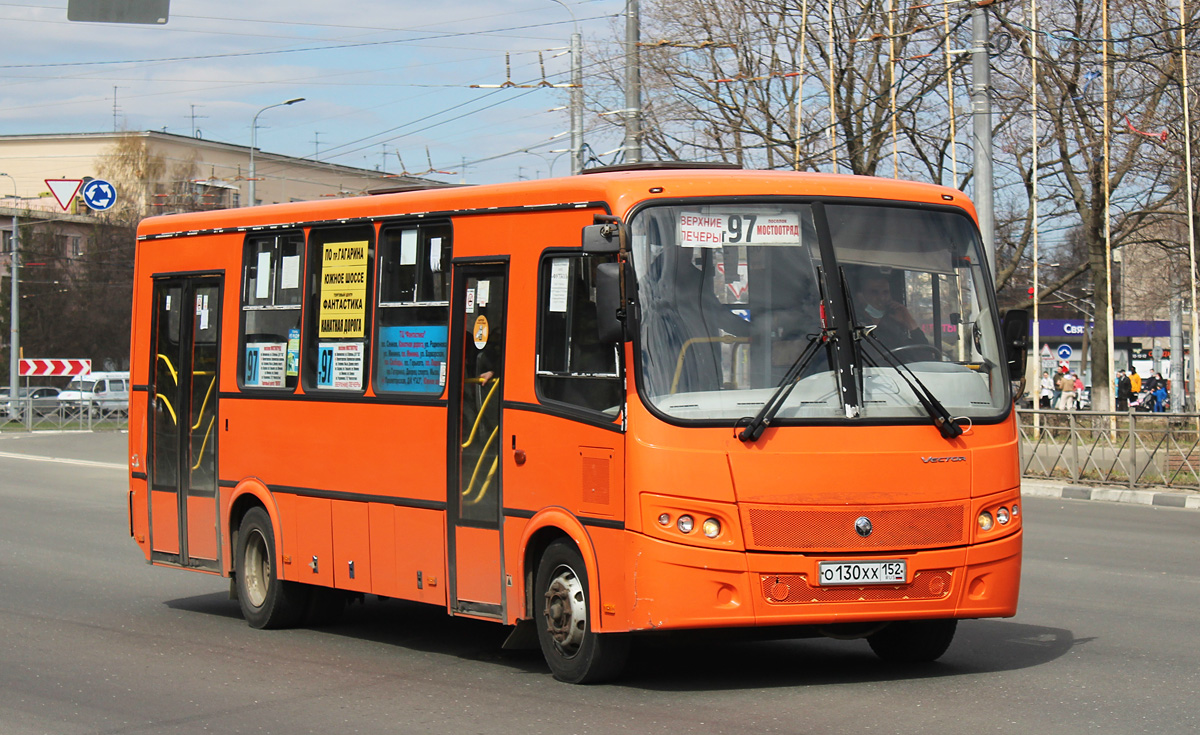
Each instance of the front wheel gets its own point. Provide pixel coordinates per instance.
(575, 653)
(913, 641)
(267, 601)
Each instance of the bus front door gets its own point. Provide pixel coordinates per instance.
(476, 567)
(183, 421)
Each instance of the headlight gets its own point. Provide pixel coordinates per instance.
(1002, 515)
(686, 523)
(986, 521)
(664, 519)
(711, 528)
(1016, 510)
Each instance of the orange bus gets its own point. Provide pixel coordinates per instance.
(657, 398)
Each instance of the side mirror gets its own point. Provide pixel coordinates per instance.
(610, 313)
(602, 239)
(1014, 331)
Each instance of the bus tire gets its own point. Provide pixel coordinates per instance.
(575, 653)
(267, 601)
(913, 641)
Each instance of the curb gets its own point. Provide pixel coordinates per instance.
(1161, 498)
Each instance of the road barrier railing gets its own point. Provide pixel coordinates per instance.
(1132, 449)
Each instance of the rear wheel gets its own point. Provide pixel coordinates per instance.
(575, 653)
(266, 600)
(913, 641)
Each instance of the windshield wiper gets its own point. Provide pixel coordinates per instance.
(762, 419)
(941, 417)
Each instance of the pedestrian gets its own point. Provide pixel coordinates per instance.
(1066, 400)
(1124, 391)
(1150, 383)
(1160, 397)
(1048, 392)
(1135, 381)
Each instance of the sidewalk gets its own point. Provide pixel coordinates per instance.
(1040, 488)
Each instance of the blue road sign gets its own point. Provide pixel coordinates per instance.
(1064, 352)
(99, 194)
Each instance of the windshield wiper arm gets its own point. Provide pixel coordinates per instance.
(762, 419)
(941, 417)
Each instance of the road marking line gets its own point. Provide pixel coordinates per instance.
(64, 460)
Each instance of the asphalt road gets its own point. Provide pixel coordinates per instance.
(93, 640)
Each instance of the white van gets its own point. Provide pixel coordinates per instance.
(101, 392)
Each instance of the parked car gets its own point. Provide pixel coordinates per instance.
(43, 399)
(100, 392)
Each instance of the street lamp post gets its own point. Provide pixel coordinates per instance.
(254, 140)
(14, 264)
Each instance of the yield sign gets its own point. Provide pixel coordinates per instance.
(55, 367)
(64, 190)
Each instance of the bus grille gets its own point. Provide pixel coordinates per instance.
(832, 529)
(791, 589)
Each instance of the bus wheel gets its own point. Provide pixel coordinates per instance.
(913, 641)
(266, 600)
(575, 654)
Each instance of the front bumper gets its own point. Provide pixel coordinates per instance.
(674, 587)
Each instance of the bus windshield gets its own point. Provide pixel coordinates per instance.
(730, 298)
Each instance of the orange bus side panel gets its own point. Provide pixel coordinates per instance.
(202, 527)
(417, 546)
(165, 519)
(139, 515)
(351, 546)
(478, 560)
(312, 541)
(381, 524)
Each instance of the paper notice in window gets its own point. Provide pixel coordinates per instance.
(262, 276)
(560, 270)
(408, 247)
(289, 275)
(483, 293)
(435, 254)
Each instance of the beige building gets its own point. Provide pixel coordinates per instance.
(159, 173)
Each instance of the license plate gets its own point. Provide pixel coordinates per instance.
(862, 572)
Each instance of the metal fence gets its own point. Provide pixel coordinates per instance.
(1131, 449)
(28, 417)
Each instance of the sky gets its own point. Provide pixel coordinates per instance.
(383, 81)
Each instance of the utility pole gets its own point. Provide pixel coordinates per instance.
(14, 266)
(981, 109)
(576, 103)
(633, 84)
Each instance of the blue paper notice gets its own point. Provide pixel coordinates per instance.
(412, 359)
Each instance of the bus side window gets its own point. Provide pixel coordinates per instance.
(340, 261)
(414, 309)
(573, 366)
(272, 274)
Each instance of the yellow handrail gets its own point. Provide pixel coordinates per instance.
(487, 483)
(479, 416)
(479, 463)
(161, 397)
(200, 416)
(207, 433)
(174, 374)
(727, 339)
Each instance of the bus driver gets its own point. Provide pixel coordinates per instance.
(873, 303)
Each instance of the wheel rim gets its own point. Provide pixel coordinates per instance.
(257, 569)
(566, 611)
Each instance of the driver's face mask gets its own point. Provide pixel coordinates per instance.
(873, 312)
